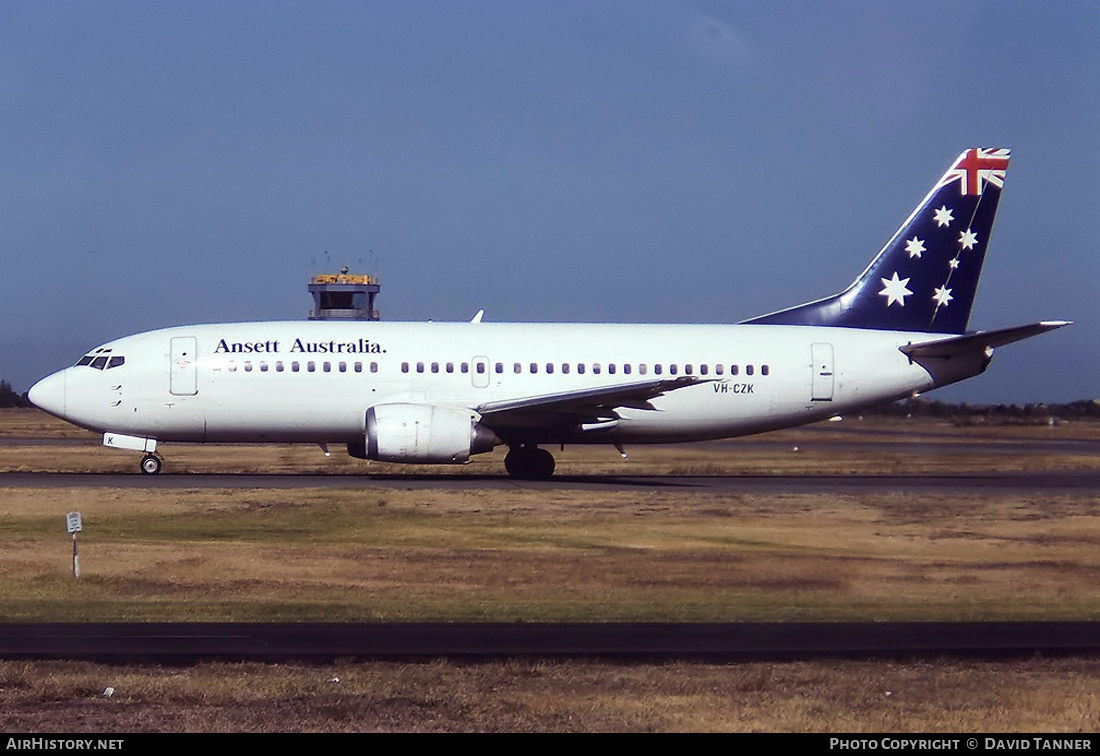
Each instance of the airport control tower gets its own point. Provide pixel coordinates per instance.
(343, 296)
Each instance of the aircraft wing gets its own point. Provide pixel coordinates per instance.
(571, 408)
(979, 340)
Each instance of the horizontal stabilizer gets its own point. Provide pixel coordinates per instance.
(972, 342)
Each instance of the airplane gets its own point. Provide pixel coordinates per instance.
(439, 393)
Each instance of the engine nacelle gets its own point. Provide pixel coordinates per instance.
(423, 433)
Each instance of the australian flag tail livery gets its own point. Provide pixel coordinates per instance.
(925, 277)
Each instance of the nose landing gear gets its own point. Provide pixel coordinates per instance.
(529, 463)
(150, 464)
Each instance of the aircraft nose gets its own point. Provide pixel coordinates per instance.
(49, 394)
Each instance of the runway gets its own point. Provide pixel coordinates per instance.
(1034, 453)
(722, 641)
(715, 641)
(1053, 481)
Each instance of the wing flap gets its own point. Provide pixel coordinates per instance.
(583, 406)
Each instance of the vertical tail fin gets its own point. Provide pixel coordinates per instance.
(925, 277)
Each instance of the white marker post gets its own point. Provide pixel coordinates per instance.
(72, 522)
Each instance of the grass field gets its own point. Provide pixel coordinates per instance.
(349, 554)
(384, 552)
(530, 695)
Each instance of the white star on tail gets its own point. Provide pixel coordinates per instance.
(944, 216)
(942, 296)
(915, 246)
(894, 290)
(968, 239)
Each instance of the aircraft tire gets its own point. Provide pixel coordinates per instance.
(529, 463)
(150, 465)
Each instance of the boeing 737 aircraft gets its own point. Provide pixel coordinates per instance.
(441, 392)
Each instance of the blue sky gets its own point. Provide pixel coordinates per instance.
(635, 161)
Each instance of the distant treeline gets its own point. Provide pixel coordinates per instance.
(977, 413)
(9, 399)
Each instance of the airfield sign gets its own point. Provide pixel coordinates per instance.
(74, 526)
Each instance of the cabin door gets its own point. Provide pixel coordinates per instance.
(183, 375)
(822, 357)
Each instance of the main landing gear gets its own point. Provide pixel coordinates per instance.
(529, 463)
(150, 464)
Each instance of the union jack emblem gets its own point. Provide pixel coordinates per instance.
(977, 166)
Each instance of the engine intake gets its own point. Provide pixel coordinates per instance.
(423, 433)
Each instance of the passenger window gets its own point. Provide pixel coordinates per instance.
(534, 367)
(404, 367)
(263, 366)
(342, 367)
(327, 367)
(764, 370)
(734, 370)
(232, 367)
(374, 367)
(480, 368)
(643, 369)
(580, 368)
(703, 370)
(248, 366)
(293, 366)
(596, 368)
(464, 368)
(611, 368)
(359, 367)
(420, 367)
(748, 370)
(658, 369)
(626, 369)
(687, 369)
(499, 368)
(549, 367)
(673, 369)
(450, 367)
(311, 367)
(279, 366)
(435, 367)
(517, 368)
(719, 369)
(565, 367)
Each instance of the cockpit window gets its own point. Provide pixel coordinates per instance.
(100, 359)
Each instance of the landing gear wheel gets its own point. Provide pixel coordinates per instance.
(150, 465)
(529, 463)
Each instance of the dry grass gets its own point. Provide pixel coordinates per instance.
(389, 553)
(317, 554)
(528, 695)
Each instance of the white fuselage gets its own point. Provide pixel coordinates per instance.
(313, 381)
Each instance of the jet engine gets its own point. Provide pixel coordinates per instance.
(422, 433)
